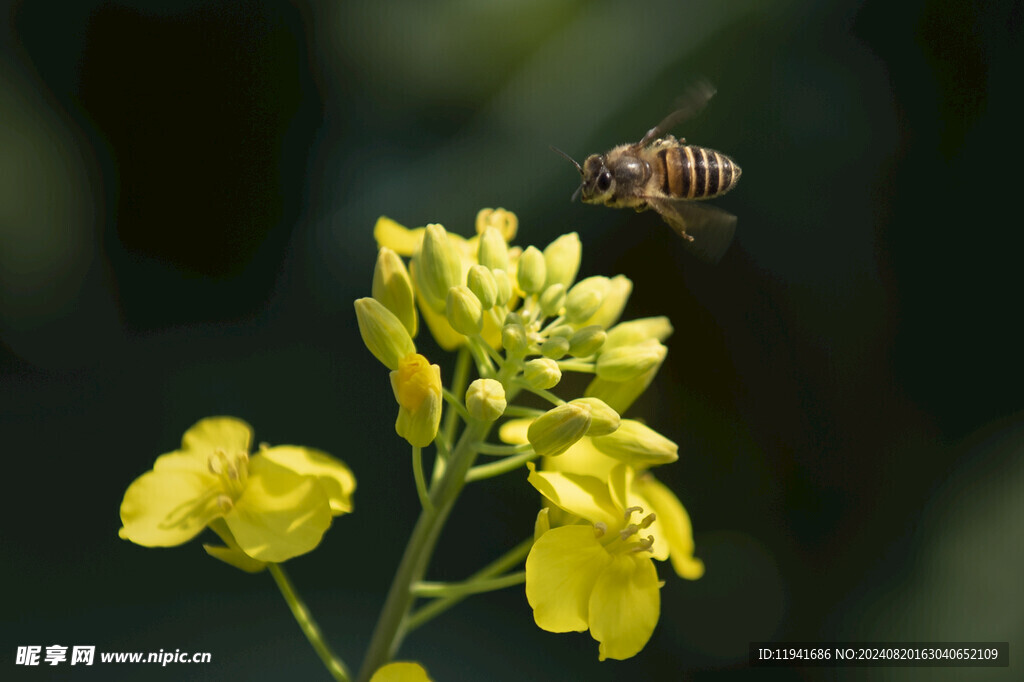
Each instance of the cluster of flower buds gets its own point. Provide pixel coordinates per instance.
(525, 302)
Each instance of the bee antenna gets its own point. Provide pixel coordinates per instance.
(575, 194)
(566, 156)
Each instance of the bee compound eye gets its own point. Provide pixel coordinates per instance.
(604, 181)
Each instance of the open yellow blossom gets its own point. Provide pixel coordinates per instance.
(671, 528)
(272, 506)
(597, 577)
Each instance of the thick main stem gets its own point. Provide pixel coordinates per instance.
(390, 630)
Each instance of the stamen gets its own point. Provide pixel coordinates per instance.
(629, 531)
(600, 528)
(630, 510)
(225, 503)
(217, 462)
(648, 520)
(644, 545)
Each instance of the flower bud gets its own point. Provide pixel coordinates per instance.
(393, 288)
(481, 283)
(532, 271)
(562, 258)
(542, 373)
(586, 341)
(514, 340)
(503, 284)
(556, 430)
(493, 251)
(505, 221)
(565, 331)
(438, 267)
(464, 313)
(604, 420)
(485, 399)
(619, 289)
(382, 332)
(637, 445)
(417, 388)
(585, 298)
(635, 331)
(628, 362)
(555, 347)
(552, 300)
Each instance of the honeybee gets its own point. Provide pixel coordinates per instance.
(669, 176)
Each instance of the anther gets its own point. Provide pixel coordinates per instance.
(216, 462)
(600, 528)
(644, 545)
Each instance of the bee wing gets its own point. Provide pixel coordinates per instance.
(707, 231)
(687, 106)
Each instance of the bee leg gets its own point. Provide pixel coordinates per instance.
(640, 208)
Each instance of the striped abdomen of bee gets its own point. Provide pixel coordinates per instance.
(687, 171)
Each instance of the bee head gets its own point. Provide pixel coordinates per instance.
(598, 180)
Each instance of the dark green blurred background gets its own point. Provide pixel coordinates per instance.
(187, 192)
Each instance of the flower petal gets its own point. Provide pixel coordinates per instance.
(223, 433)
(401, 671)
(236, 558)
(169, 507)
(334, 476)
(625, 606)
(280, 515)
(581, 458)
(514, 431)
(561, 570)
(584, 496)
(673, 527)
(398, 238)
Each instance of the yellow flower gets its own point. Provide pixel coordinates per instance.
(671, 528)
(401, 672)
(417, 387)
(597, 577)
(270, 506)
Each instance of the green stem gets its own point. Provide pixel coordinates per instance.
(502, 466)
(494, 355)
(520, 411)
(576, 366)
(460, 379)
(309, 627)
(501, 450)
(417, 473)
(547, 395)
(456, 403)
(483, 361)
(429, 589)
(503, 563)
(391, 626)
